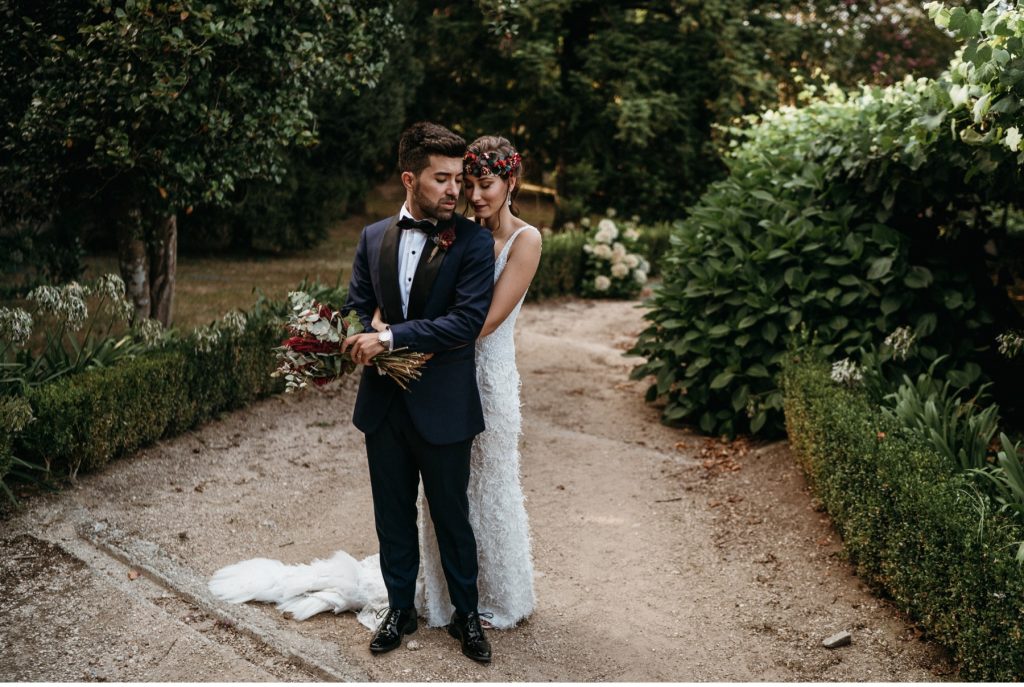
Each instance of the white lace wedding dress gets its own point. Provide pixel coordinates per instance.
(496, 512)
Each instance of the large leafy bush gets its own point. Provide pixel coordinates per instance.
(854, 215)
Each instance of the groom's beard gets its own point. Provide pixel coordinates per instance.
(434, 209)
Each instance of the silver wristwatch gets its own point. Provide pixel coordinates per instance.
(384, 338)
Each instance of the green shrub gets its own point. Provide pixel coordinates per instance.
(914, 527)
(560, 272)
(654, 243)
(88, 419)
(855, 215)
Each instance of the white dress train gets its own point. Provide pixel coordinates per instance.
(496, 512)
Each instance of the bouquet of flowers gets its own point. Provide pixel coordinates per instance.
(313, 351)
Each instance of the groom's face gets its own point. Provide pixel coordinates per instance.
(435, 190)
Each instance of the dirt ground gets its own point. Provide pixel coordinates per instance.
(660, 555)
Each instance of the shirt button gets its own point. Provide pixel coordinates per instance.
(414, 252)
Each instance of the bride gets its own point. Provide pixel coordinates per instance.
(492, 170)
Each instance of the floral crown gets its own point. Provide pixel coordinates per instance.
(486, 164)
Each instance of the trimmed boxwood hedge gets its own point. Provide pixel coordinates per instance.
(86, 420)
(560, 272)
(914, 529)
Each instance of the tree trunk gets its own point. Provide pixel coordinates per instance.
(131, 256)
(163, 264)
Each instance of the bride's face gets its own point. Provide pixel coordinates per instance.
(487, 194)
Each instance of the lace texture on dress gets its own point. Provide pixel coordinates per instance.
(497, 508)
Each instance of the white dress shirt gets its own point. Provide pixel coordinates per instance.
(410, 248)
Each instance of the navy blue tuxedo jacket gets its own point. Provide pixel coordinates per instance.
(448, 304)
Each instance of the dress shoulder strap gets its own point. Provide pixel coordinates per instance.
(511, 239)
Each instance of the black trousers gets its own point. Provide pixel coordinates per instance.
(397, 457)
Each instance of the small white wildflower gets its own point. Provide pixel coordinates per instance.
(111, 287)
(611, 212)
(602, 283)
(640, 276)
(900, 342)
(585, 222)
(1010, 343)
(205, 338)
(150, 331)
(67, 303)
(15, 325)
(620, 270)
(846, 371)
(233, 323)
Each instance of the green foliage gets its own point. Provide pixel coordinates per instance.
(613, 268)
(560, 272)
(76, 327)
(855, 214)
(619, 99)
(913, 527)
(15, 416)
(86, 420)
(357, 133)
(956, 429)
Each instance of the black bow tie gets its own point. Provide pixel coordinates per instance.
(424, 225)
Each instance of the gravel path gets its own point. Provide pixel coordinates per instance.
(661, 555)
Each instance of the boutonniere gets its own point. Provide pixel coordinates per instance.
(443, 240)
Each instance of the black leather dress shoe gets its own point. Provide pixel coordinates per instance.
(397, 622)
(467, 629)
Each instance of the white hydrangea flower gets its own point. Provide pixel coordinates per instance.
(900, 342)
(602, 283)
(15, 325)
(604, 236)
(603, 251)
(640, 276)
(611, 212)
(846, 371)
(619, 270)
(619, 252)
(608, 225)
(631, 235)
(632, 260)
(585, 222)
(645, 266)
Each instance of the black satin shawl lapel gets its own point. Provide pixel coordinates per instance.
(423, 280)
(387, 268)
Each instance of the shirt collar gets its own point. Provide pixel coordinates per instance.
(404, 212)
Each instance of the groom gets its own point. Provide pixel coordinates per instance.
(431, 273)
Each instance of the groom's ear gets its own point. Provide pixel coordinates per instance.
(408, 179)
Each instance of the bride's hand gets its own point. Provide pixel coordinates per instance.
(378, 324)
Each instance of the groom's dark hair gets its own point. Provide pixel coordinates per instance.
(423, 139)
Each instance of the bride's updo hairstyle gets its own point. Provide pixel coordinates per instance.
(495, 156)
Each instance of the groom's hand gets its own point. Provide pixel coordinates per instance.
(363, 347)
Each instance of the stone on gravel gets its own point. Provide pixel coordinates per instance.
(837, 640)
(412, 645)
